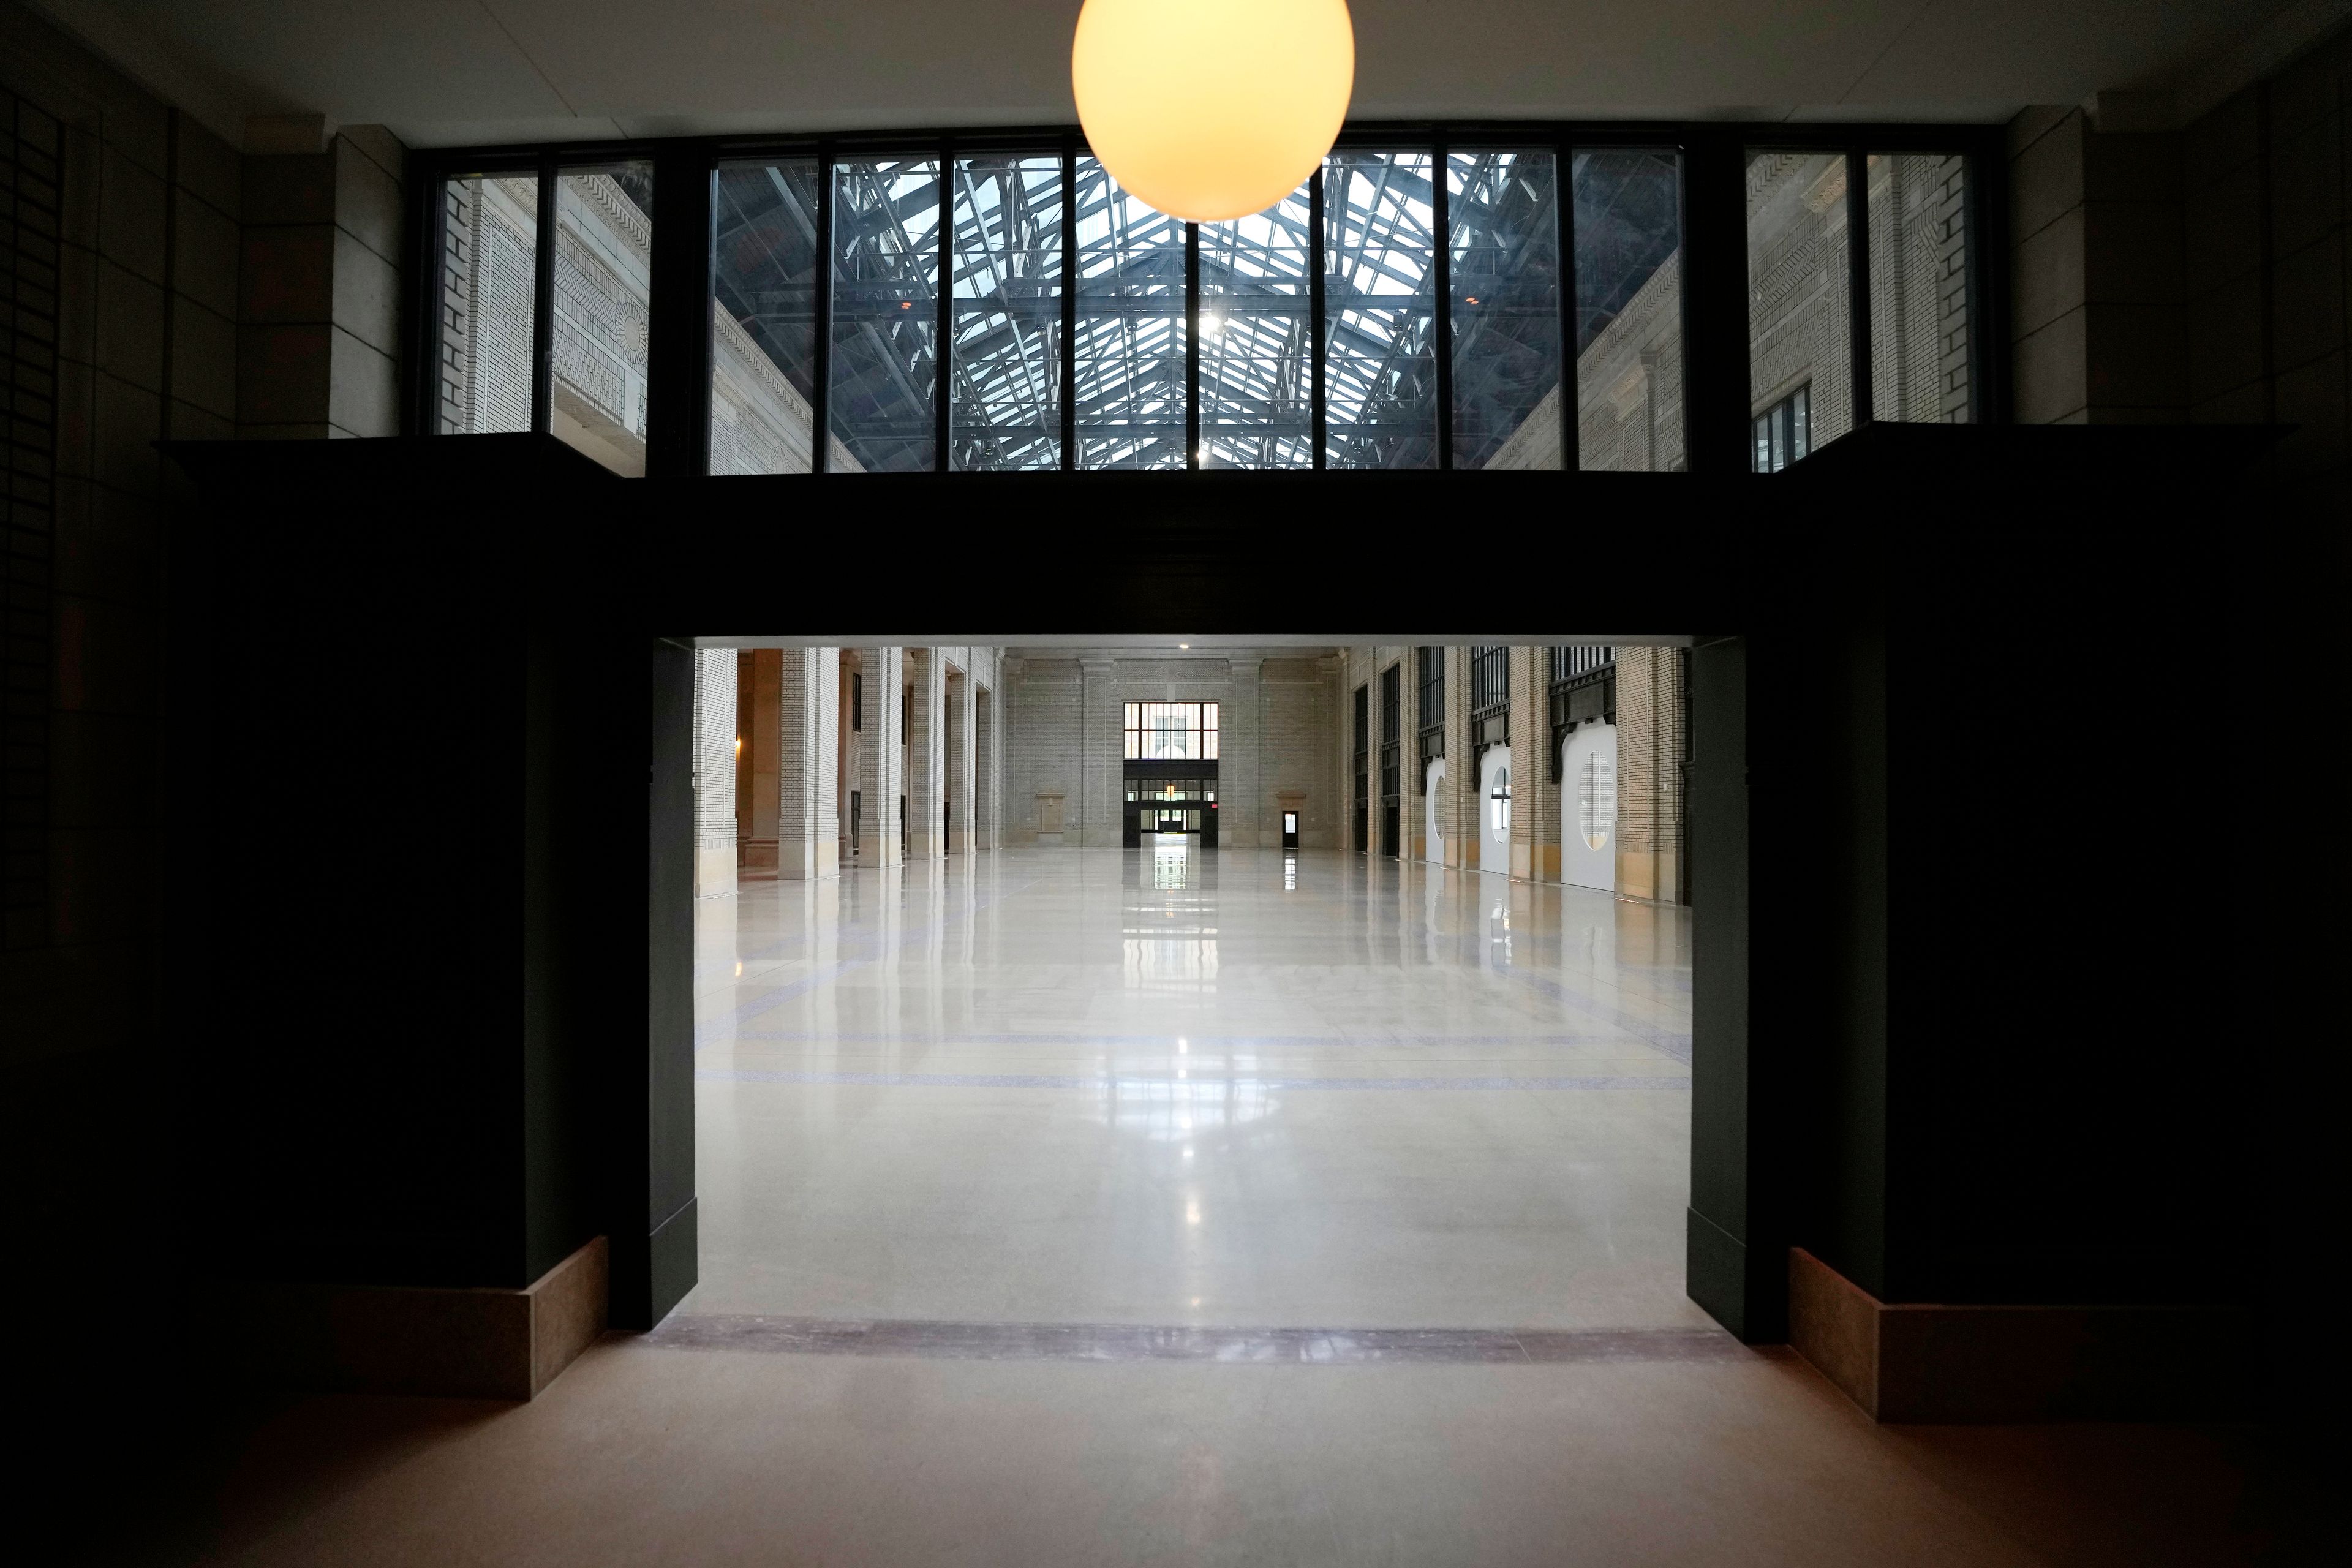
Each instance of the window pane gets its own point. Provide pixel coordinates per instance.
(1629, 310)
(1006, 353)
(1918, 287)
(1380, 366)
(603, 275)
(1130, 347)
(1799, 329)
(763, 318)
(489, 265)
(1503, 208)
(1255, 347)
(886, 320)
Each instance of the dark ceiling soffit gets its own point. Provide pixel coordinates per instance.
(1875, 136)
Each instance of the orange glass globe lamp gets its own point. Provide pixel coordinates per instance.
(1211, 110)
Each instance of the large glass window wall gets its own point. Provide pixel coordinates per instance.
(944, 304)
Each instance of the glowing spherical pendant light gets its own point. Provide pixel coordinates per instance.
(1212, 110)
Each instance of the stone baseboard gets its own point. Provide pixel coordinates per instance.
(477, 1344)
(1930, 1362)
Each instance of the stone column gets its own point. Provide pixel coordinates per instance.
(1410, 817)
(807, 837)
(762, 673)
(1457, 810)
(926, 713)
(959, 820)
(1100, 754)
(878, 772)
(987, 790)
(1238, 823)
(1534, 808)
(714, 771)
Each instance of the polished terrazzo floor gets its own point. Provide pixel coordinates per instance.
(1183, 1087)
(1062, 1209)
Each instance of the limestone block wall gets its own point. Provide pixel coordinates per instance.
(1062, 746)
(320, 281)
(715, 721)
(1648, 780)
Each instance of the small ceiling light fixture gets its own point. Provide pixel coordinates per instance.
(1183, 645)
(1213, 110)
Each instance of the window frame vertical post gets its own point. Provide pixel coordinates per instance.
(1069, 350)
(942, 378)
(1441, 274)
(677, 416)
(821, 383)
(1864, 401)
(542, 286)
(1192, 347)
(1318, 348)
(1571, 432)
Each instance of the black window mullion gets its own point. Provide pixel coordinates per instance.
(1069, 304)
(942, 385)
(1318, 329)
(820, 389)
(1563, 201)
(1857, 251)
(1191, 345)
(1441, 222)
(542, 327)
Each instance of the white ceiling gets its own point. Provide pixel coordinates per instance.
(445, 72)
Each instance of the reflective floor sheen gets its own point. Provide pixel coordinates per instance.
(1063, 1209)
(1170, 1087)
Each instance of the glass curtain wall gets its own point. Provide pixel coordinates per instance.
(1919, 287)
(763, 280)
(1257, 407)
(1627, 219)
(1081, 321)
(603, 311)
(1800, 325)
(1005, 350)
(1379, 308)
(1128, 382)
(1503, 215)
(882, 401)
(488, 304)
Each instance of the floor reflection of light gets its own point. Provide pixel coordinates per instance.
(1159, 960)
(1172, 1110)
(1290, 873)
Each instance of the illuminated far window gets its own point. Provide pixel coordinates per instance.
(1800, 329)
(1005, 354)
(1290, 822)
(604, 303)
(1629, 309)
(885, 314)
(1498, 805)
(489, 242)
(1503, 208)
(1919, 287)
(763, 281)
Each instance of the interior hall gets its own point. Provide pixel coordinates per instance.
(881, 783)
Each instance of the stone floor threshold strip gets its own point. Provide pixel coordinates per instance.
(1181, 1342)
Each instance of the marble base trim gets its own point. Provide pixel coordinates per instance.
(1185, 1342)
(1924, 1361)
(481, 1343)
